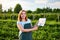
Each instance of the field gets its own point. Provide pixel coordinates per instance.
(51, 30)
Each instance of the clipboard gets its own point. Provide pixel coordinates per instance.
(41, 22)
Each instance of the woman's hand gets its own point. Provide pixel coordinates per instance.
(35, 28)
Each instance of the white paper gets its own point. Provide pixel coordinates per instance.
(41, 21)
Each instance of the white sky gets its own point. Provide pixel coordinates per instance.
(30, 4)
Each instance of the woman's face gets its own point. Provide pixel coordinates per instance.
(23, 15)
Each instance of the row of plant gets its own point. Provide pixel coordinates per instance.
(31, 16)
(9, 31)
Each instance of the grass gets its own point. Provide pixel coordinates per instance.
(34, 21)
(48, 22)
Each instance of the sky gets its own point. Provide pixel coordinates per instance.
(30, 4)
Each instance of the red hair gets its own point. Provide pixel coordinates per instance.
(19, 15)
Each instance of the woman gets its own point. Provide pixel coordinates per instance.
(24, 26)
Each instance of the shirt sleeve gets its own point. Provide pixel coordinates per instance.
(18, 22)
(29, 20)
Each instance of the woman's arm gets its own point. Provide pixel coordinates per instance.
(26, 30)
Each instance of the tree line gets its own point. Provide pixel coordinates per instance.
(18, 7)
